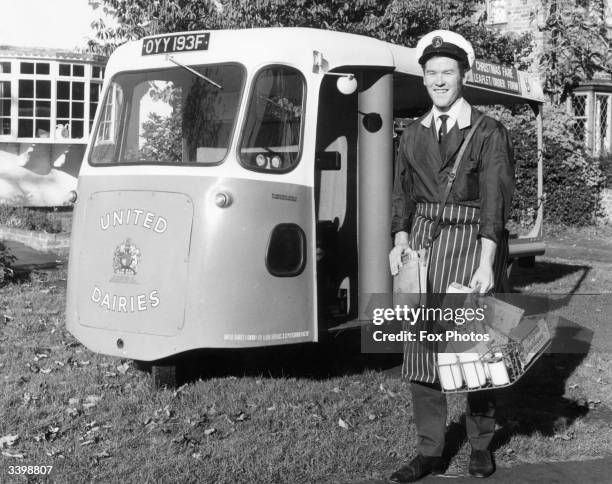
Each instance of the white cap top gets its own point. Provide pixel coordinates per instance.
(444, 43)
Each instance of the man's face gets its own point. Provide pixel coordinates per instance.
(443, 78)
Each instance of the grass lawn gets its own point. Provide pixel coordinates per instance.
(302, 414)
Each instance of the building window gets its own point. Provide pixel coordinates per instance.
(97, 72)
(34, 109)
(42, 98)
(34, 67)
(5, 107)
(496, 12)
(70, 109)
(579, 108)
(95, 88)
(72, 70)
(602, 124)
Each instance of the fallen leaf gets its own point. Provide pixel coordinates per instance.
(343, 424)
(102, 455)
(52, 452)
(73, 412)
(15, 455)
(91, 401)
(210, 431)
(179, 390)
(8, 441)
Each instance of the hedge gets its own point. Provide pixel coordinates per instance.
(573, 181)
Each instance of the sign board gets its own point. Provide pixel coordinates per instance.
(495, 76)
(164, 44)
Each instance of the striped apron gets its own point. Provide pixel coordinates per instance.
(454, 257)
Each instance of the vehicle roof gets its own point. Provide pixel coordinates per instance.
(340, 51)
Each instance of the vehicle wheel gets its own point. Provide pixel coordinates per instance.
(528, 261)
(163, 376)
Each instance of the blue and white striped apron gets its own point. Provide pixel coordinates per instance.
(455, 255)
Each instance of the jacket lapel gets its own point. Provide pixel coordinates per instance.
(428, 148)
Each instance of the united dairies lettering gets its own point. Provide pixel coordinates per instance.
(134, 216)
(125, 304)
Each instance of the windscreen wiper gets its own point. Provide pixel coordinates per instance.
(193, 71)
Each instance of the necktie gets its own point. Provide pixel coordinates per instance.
(442, 131)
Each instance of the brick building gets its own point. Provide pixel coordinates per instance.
(591, 102)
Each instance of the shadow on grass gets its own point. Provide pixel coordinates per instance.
(545, 272)
(536, 403)
(334, 356)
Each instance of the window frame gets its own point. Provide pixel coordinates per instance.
(15, 75)
(247, 107)
(127, 106)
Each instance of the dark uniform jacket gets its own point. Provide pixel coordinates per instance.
(485, 179)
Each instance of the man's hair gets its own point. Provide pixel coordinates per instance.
(463, 67)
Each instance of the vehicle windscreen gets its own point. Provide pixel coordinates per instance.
(185, 114)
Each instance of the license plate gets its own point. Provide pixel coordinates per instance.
(164, 44)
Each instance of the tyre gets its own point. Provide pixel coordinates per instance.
(163, 376)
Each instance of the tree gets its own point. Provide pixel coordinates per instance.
(578, 46)
(398, 21)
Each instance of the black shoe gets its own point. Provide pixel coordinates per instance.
(419, 467)
(481, 463)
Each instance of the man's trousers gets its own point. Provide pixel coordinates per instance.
(429, 408)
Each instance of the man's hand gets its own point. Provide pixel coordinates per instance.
(401, 247)
(483, 279)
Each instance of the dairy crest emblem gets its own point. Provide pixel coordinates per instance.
(126, 258)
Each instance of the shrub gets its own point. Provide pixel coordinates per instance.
(29, 219)
(573, 181)
(6, 261)
(606, 168)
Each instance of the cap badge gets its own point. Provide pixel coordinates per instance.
(437, 41)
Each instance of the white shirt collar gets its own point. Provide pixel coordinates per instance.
(460, 112)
